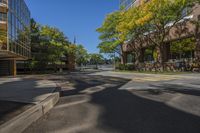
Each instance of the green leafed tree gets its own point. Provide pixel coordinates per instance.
(183, 46)
(96, 59)
(82, 56)
(165, 15)
(109, 36)
(48, 45)
(53, 43)
(151, 22)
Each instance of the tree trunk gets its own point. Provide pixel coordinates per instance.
(197, 49)
(137, 60)
(96, 65)
(160, 58)
(123, 58)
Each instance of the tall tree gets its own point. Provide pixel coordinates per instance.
(82, 55)
(165, 15)
(53, 42)
(48, 44)
(132, 29)
(109, 35)
(96, 59)
(151, 22)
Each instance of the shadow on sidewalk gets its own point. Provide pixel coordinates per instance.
(9, 110)
(16, 96)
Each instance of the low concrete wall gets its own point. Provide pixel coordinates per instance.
(22, 121)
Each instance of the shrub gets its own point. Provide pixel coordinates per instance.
(126, 67)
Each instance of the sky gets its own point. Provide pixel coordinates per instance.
(78, 18)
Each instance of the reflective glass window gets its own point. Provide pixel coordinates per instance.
(3, 1)
(3, 17)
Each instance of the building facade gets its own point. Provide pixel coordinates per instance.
(128, 3)
(14, 35)
(187, 30)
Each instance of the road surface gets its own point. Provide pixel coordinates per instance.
(108, 102)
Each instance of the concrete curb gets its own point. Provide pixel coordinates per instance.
(19, 123)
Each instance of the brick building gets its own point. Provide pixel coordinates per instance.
(188, 30)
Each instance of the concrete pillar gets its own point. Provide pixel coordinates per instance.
(13, 68)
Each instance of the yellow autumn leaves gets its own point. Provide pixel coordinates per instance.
(145, 12)
(132, 18)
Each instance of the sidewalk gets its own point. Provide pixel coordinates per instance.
(25, 99)
(25, 90)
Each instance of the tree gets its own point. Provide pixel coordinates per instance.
(53, 42)
(109, 36)
(132, 29)
(151, 22)
(48, 44)
(36, 51)
(3, 40)
(82, 55)
(165, 15)
(183, 46)
(96, 59)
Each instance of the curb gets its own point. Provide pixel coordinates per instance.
(19, 123)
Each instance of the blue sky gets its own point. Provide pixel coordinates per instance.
(78, 18)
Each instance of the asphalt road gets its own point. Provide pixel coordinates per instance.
(137, 103)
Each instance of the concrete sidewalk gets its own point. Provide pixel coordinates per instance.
(25, 90)
(27, 99)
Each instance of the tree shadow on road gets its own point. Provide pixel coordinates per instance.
(174, 88)
(129, 113)
(125, 112)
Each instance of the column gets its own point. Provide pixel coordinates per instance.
(13, 68)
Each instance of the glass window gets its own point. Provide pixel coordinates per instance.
(186, 11)
(3, 1)
(18, 19)
(3, 17)
(126, 3)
